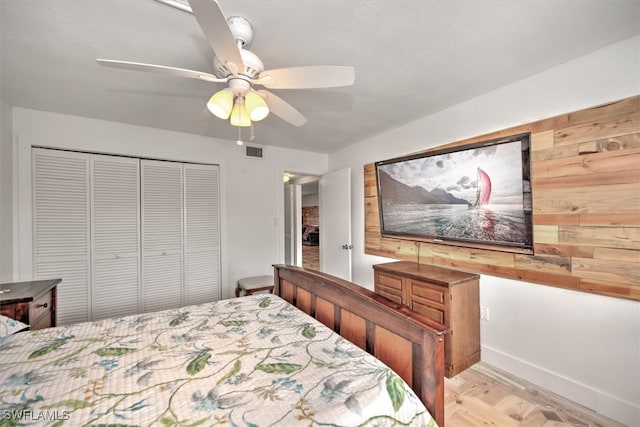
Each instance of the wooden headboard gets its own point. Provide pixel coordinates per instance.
(409, 343)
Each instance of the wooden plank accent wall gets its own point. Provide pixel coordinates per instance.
(585, 173)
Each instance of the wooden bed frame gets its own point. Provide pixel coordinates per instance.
(409, 343)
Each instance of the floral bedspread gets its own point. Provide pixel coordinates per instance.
(250, 361)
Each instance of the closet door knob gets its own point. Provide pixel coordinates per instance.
(164, 252)
(117, 256)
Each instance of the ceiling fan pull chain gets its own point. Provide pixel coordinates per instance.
(239, 140)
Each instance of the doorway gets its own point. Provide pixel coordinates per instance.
(302, 220)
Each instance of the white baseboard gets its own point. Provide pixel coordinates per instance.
(610, 406)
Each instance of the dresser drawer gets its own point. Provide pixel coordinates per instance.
(389, 281)
(389, 287)
(40, 308)
(428, 291)
(430, 312)
(391, 294)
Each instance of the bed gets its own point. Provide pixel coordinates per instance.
(249, 361)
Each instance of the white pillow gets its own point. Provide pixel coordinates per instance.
(9, 326)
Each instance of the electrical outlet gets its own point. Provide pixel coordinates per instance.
(484, 313)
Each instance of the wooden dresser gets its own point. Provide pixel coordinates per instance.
(33, 303)
(449, 296)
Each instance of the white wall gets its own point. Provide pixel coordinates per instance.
(584, 347)
(311, 200)
(6, 195)
(251, 188)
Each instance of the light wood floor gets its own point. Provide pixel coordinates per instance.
(311, 257)
(486, 396)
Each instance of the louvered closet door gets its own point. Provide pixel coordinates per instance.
(61, 228)
(162, 211)
(202, 233)
(115, 236)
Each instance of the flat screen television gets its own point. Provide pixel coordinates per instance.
(476, 195)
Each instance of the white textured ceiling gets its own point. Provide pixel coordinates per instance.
(412, 58)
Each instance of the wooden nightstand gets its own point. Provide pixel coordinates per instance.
(33, 302)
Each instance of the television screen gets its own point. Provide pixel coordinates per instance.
(477, 195)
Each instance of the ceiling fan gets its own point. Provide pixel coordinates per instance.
(241, 70)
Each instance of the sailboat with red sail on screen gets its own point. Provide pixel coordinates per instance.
(484, 189)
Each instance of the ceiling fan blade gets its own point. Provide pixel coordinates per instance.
(161, 69)
(311, 77)
(216, 31)
(283, 109)
(176, 4)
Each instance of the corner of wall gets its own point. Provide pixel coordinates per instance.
(6, 192)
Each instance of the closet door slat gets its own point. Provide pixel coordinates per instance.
(61, 209)
(202, 233)
(115, 231)
(115, 287)
(162, 281)
(72, 294)
(61, 229)
(162, 216)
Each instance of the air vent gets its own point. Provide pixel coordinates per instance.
(254, 151)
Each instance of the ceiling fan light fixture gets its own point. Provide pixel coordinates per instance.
(221, 103)
(240, 69)
(256, 106)
(239, 114)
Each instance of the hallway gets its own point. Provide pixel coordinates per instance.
(311, 257)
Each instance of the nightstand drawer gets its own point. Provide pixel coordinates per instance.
(42, 323)
(39, 308)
